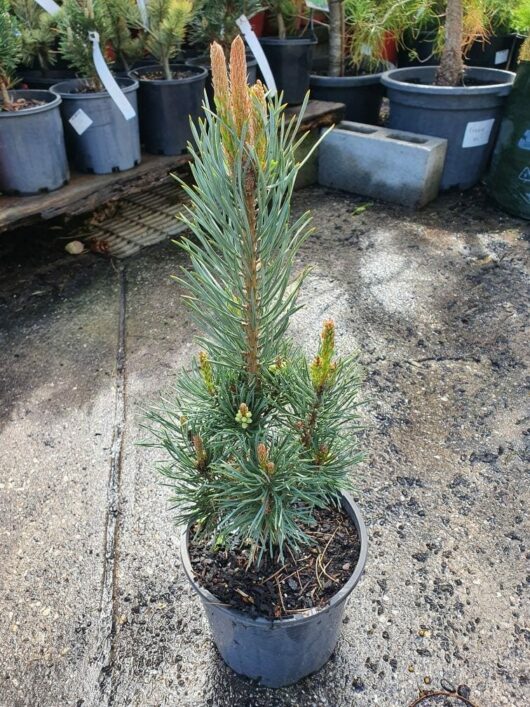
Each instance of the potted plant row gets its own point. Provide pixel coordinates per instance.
(32, 152)
(260, 441)
(452, 101)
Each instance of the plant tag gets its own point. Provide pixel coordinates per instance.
(366, 49)
(256, 49)
(49, 6)
(478, 133)
(322, 5)
(80, 121)
(524, 141)
(108, 80)
(143, 12)
(502, 56)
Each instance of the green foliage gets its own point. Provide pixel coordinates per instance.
(76, 19)
(168, 20)
(256, 435)
(10, 49)
(285, 12)
(119, 17)
(521, 17)
(38, 34)
(215, 20)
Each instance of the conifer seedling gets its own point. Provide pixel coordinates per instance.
(10, 52)
(257, 435)
(167, 23)
(38, 34)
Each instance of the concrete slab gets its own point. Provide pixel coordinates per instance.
(436, 303)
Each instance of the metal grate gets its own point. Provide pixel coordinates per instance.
(137, 221)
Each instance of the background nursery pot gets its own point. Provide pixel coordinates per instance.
(496, 52)
(102, 141)
(290, 61)
(467, 116)
(362, 95)
(204, 62)
(280, 652)
(32, 152)
(167, 105)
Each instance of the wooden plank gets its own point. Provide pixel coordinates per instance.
(86, 192)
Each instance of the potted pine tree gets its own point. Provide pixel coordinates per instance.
(216, 21)
(358, 33)
(170, 93)
(32, 153)
(259, 440)
(38, 34)
(99, 138)
(289, 53)
(461, 104)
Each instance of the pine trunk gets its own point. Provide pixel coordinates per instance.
(336, 26)
(451, 69)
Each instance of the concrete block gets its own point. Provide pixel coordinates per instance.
(392, 165)
(308, 175)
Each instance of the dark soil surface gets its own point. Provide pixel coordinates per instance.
(276, 588)
(20, 104)
(160, 76)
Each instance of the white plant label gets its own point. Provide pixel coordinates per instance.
(49, 6)
(255, 47)
(322, 5)
(142, 7)
(80, 121)
(502, 56)
(108, 80)
(478, 133)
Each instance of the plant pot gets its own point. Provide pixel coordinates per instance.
(167, 106)
(422, 45)
(290, 62)
(44, 80)
(32, 152)
(518, 40)
(509, 177)
(98, 138)
(204, 62)
(495, 52)
(257, 22)
(279, 652)
(362, 95)
(467, 116)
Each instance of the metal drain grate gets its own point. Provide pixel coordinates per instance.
(137, 221)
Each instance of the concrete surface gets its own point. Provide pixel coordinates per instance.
(391, 165)
(94, 607)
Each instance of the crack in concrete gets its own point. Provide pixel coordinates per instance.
(101, 679)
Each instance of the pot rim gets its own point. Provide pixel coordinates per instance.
(346, 81)
(130, 85)
(390, 80)
(32, 110)
(298, 619)
(288, 40)
(200, 73)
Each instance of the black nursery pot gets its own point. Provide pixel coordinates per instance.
(418, 49)
(44, 80)
(98, 138)
(362, 95)
(466, 116)
(290, 61)
(32, 151)
(167, 106)
(495, 53)
(279, 652)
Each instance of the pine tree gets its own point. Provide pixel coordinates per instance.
(215, 20)
(168, 20)
(120, 16)
(257, 436)
(37, 33)
(10, 52)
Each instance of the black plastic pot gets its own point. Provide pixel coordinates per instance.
(467, 116)
(104, 141)
(167, 106)
(290, 62)
(32, 152)
(43, 81)
(495, 53)
(509, 177)
(418, 49)
(204, 61)
(518, 40)
(362, 95)
(279, 652)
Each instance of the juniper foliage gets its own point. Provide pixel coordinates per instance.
(256, 436)
(10, 51)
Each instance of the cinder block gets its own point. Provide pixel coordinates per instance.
(391, 165)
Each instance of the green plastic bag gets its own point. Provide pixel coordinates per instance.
(509, 176)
